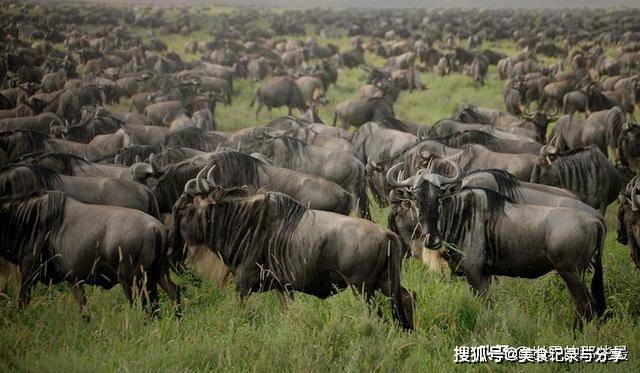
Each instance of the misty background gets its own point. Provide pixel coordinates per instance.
(491, 4)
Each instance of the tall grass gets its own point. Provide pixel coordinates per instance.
(218, 332)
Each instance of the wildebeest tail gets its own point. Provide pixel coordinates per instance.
(399, 309)
(175, 249)
(597, 282)
(154, 208)
(361, 194)
(335, 116)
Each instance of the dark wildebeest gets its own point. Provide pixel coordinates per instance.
(404, 222)
(493, 143)
(278, 244)
(54, 238)
(584, 171)
(20, 179)
(478, 232)
(358, 112)
(235, 169)
(601, 129)
(446, 127)
(340, 167)
(14, 144)
(277, 92)
(629, 148)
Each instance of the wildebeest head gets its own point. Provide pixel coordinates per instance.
(543, 172)
(423, 192)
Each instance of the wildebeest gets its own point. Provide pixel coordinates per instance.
(277, 92)
(628, 228)
(584, 171)
(478, 232)
(55, 238)
(234, 169)
(629, 148)
(19, 179)
(601, 129)
(340, 167)
(278, 244)
(357, 112)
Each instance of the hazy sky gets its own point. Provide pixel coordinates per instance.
(445, 3)
(409, 3)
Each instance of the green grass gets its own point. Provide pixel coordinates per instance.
(218, 332)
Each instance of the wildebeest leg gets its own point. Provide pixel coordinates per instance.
(258, 108)
(479, 284)
(153, 307)
(172, 290)
(246, 279)
(369, 296)
(289, 107)
(78, 293)
(583, 302)
(28, 282)
(285, 297)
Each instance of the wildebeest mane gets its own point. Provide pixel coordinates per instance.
(65, 160)
(235, 169)
(578, 168)
(171, 184)
(250, 228)
(297, 149)
(462, 211)
(194, 138)
(471, 112)
(22, 219)
(459, 139)
(34, 141)
(393, 124)
(15, 180)
(508, 185)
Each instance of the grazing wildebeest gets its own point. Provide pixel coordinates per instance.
(277, 92)
(278, 244)
(584, 171)
(478, 232)
(55, 238)
(628, 227)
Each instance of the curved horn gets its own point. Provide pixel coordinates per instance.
(391, 175)
(635, 204)
(210, 176)
(202, 187)
(445, 179)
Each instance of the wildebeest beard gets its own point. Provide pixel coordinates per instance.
(465, 212)
(28, 222)
(245, 228)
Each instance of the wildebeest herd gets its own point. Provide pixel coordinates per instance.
(93, 195)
